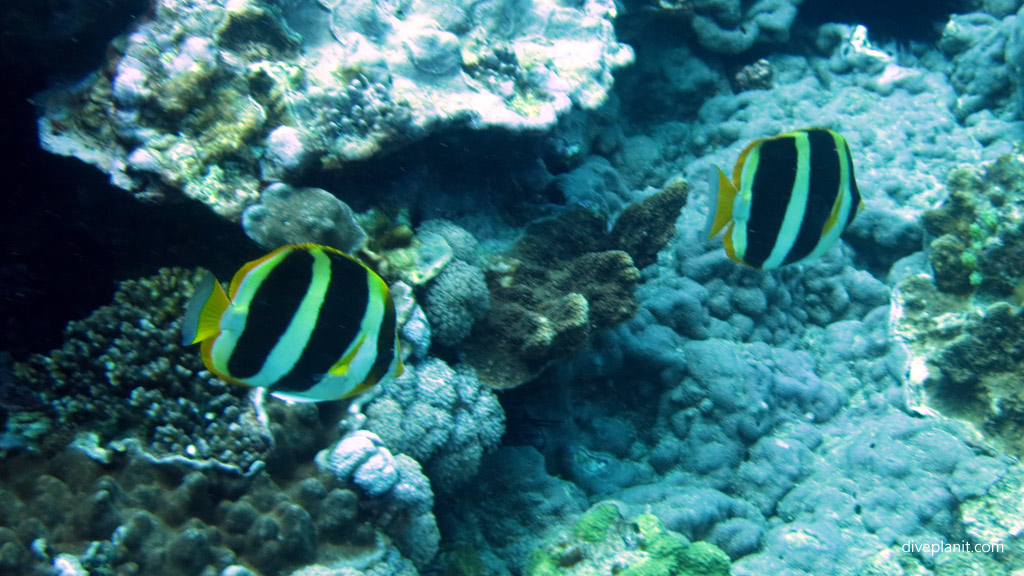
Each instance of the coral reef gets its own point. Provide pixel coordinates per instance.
(563, 279)
(667, 411)
(123, 375)
(134, 515)
(214, 98)
(980, 231)
(397, 486)
(961, 317)
(456, 299)
(602, 542)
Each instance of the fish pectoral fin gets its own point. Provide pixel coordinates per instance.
(720, 210)
(340, 367)
(202, 316)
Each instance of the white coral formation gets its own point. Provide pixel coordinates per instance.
(216, 97)
(513, 63)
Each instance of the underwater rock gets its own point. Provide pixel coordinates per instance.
(212, 98)
(984, 72)
(291, 215)
(995, 516)
(564, 279)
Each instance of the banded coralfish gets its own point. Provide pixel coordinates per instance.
(789, 199)
(308, 323)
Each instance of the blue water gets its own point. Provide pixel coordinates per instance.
(533, 181)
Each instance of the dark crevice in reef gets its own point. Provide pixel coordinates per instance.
(900, 20)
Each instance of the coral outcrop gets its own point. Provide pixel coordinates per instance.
(443, 417)
(730, 27)
(961, 317)
(216, 98)
(292, 215)
(565, 278)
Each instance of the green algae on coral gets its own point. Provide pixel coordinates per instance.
(980, 230)
(603, 542)
(594, 525)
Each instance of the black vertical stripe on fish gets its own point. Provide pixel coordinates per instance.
(855, 199)
(772, 189)
(823, 181)
(274, 304)
(385, 344)
(338, 324)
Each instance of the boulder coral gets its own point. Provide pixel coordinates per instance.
(132, 514)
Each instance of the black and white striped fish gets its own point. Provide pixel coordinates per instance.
(790, 198)
(308, 323)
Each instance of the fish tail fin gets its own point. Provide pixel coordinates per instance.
(202, 316)
(719, 211)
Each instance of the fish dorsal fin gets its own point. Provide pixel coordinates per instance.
(202, 316)
(720, 210)
(737, 170)
(244, 271)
